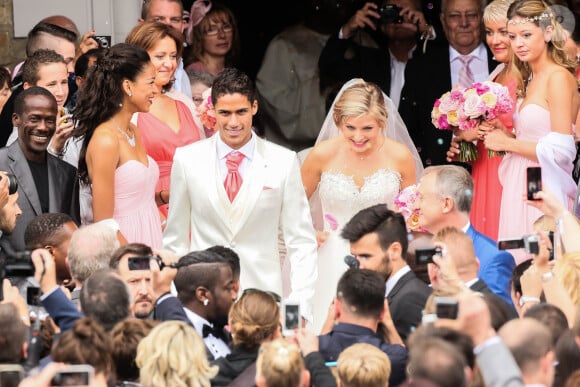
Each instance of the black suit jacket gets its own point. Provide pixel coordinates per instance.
(344, 59)
(406, 303)
(62, 191)
(481, 287)
(427, 77)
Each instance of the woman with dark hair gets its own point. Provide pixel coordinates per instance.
(113, 162)
(170, 121)
(5, 85)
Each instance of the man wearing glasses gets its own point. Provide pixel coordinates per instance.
(461, 62)
(168, 12)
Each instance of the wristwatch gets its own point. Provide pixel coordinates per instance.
(526, 299)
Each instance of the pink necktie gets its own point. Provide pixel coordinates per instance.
(465, 74)
(233, 180)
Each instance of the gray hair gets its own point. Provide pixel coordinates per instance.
(482, 4)
(455, 182)
(90, 249)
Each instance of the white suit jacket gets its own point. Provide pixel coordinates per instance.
(271, 198)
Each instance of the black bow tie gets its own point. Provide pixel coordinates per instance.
(216, 331)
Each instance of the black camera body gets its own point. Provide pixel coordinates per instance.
(531, 243)
(390, 14)
(142, 263)
(15, 265)
(104, 41)
(12, 183)
(425, 256)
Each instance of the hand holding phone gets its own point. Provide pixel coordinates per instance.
(534, 181)
(74, 375)
(291, 317)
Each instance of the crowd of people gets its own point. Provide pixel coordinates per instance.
(162, 213)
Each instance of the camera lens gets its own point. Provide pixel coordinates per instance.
(12, 183)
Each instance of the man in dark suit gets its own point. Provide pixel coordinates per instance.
(378, 240)
(459, 247)
(45, 183)
(358, 309)
(445, 195)
(205, 292)
(428, 76)
(351, 53)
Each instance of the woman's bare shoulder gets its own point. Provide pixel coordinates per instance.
(396, 149)
(104, 140)
(326, 149)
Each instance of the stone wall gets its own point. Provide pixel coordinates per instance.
(12, 51)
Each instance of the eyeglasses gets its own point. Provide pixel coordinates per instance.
(215, 29)
(275, 296)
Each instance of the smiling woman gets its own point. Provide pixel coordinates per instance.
(366, 158)
(170, 121)
(123, 183)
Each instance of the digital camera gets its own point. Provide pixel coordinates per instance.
(390, 13)
(425, 256)
(531, 243)
(104, 41)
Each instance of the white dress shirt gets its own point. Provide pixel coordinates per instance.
(217, 347)
(479, 66)
(223, 150)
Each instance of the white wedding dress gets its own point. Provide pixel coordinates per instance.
(340, 199)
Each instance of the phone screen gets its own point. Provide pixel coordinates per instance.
(71, 378)
(291, 316)
(139, 263)
(534, 181)
(510, 244)
(10, 378)
(446, 307)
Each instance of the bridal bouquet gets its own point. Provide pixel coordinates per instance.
(405, 204)
(466, 108)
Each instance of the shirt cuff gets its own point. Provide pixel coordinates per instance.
(44, 296)
(491, 341)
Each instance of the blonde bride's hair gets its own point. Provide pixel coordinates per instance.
(359, 99)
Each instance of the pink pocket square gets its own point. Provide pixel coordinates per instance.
(266, 188)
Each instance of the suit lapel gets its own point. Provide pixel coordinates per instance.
(253, 184)
(20, 169)
(399, 285)
(215, 188)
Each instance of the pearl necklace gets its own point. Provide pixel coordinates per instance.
(130, 139)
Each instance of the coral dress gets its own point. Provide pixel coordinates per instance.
(340, 200)
(160, 142)
(555, 152)
(485, 208)
(135, 208)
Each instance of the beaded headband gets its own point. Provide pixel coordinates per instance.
(534, 19)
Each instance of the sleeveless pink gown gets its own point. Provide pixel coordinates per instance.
(135, 208)
(532, 123)
(160, 142)
(485, 208)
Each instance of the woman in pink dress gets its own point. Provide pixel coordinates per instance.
(169, 124)
(113, 161)
(544, 117)
(213, 37)
(484, 213)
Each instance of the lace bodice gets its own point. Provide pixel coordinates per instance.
(341, 198)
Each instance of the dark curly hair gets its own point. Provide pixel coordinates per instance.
(102, 95)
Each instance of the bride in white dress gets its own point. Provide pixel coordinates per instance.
(363, 156)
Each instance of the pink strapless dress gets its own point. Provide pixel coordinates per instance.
(485, 209)
(160, 142)
(135, 208)
(532, 123)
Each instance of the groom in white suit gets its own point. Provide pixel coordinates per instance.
(271, 197)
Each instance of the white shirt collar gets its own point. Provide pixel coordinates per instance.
(466, 227)
(479, 53)
(393, 279)
(247, 149)
(197, 321)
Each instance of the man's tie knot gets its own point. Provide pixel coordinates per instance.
(233, 160)
(466, 59)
